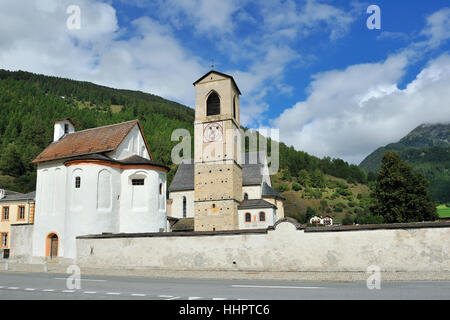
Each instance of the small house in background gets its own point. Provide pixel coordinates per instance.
(15, 209)
(327, 221)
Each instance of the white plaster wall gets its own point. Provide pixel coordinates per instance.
(133, 144)
(58, 129)
(255, 223)
(254, 192)
(177, 204)
(284, 249)
(21, 246)
(50, 210)
(148, 216)
(83, 215)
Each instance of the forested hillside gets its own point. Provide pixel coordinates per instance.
(427, 149)
(30, 103)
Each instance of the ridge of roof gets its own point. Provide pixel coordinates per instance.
(102, 127)
(219, 73)
(89, 141)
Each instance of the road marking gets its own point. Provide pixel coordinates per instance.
(113, 293)
(68, 291)
(194, 298)
(48, 290)
(163, 296)
(13, 288)
(138, 295)
(219, 298)
(90, 292)
(30, 289)
(93, 280)
(173, 298)
(275, 287)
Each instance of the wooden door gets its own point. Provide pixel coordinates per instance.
(54, 246)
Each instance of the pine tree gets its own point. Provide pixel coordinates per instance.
(400, 194)
(11, 161)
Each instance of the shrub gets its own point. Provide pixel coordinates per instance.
(296, 186)
(348, 220)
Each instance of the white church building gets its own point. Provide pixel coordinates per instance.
(100, 180)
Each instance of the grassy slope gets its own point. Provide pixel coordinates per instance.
(443, 211)
(296, 205)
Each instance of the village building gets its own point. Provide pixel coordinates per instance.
(328, 221)
(15, 208)
(222, 188)
(100, 180)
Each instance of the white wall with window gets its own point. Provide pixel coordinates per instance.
(141, 207)
(257, 218)
(85, 195)
(182, 204)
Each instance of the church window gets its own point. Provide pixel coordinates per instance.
(262, 216)
(245, 196)
(248, 217)
(138, 182)
(234, 107)
(77, 182)
(184, 207)
(213, 104)
(66, 128)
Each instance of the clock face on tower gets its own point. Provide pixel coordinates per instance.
(212, 132)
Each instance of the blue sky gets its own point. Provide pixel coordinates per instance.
(309, 67)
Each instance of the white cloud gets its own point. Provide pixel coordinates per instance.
(350, 113)
(438, 27)
(206, 16)
(34, 37)
(290, 18)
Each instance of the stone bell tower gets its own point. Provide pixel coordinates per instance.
(217, 153)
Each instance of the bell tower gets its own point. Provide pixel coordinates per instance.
(217, 153)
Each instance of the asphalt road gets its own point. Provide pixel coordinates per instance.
(47, 286)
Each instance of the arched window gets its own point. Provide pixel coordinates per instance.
(262, 216)
(248, 217)
(213, 104)
(184, 207)
(245, 196)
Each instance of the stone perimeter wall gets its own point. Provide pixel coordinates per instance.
(287, 247)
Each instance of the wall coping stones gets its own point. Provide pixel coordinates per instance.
(419, 225)
(414, 225)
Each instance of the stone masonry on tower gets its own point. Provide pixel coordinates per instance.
(217, 168)
(222, 188)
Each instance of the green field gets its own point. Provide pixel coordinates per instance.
(443, 211)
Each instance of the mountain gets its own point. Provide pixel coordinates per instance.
(427, 149)
(30, 103)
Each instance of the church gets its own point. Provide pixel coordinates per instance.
(222, 188)
(100, 180)
(104, 180)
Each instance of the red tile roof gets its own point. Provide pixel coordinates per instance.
(96, 140)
